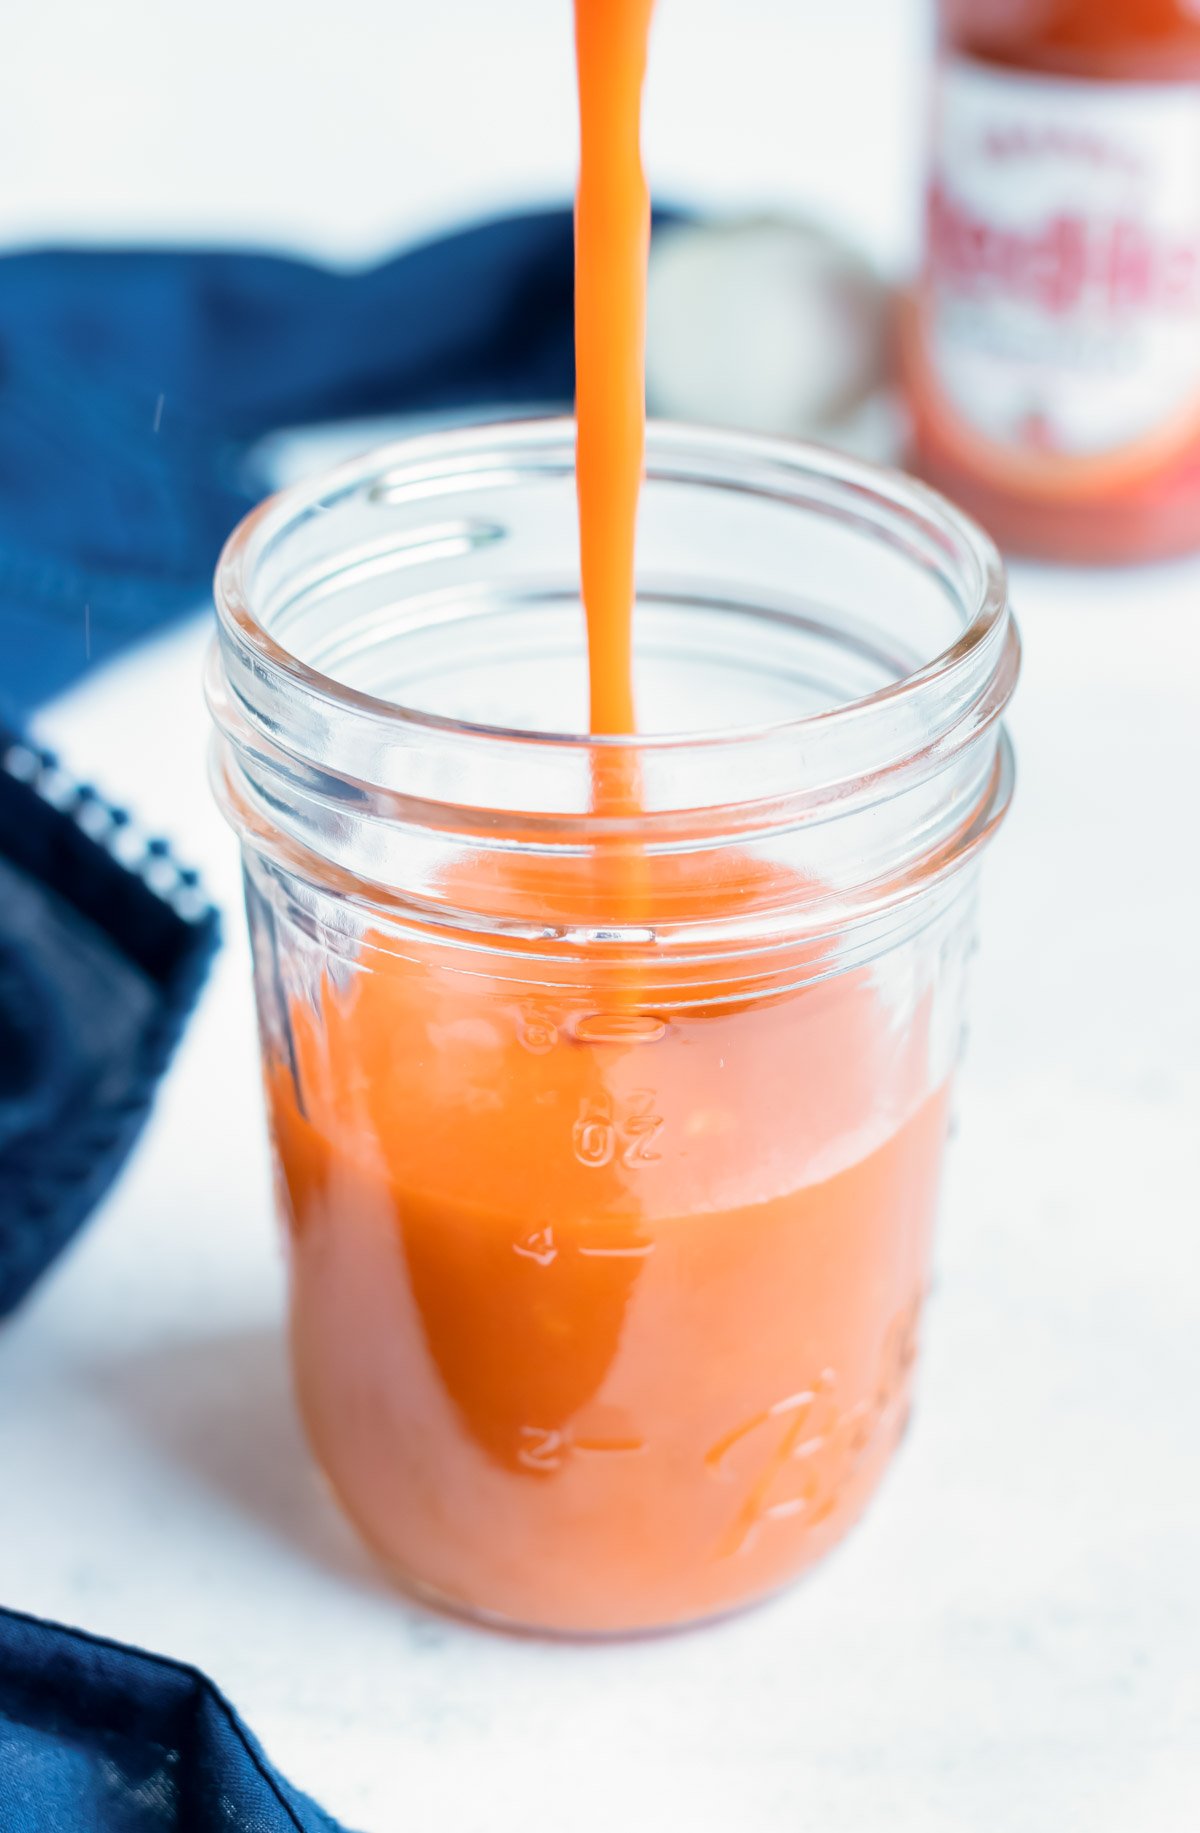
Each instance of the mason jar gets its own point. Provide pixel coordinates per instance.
(608, 1078)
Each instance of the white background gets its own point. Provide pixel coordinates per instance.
(1010, 1641)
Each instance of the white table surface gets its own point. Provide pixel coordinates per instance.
(1011, 1640)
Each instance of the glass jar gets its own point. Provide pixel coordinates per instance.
(1053, 345)
(608, 1078)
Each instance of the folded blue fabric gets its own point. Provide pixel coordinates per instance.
(96, 1737)
(104, 944)
(133, 384)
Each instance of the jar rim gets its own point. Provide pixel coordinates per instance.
(307, 765)
(709, 454)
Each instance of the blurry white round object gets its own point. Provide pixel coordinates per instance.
(770, 325)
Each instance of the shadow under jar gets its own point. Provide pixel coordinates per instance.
(608, 1079)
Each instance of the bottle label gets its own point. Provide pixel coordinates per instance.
(1060, 312)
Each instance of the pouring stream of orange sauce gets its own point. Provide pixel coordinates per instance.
(612, 244)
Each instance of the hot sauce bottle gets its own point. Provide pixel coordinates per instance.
(1053, 344)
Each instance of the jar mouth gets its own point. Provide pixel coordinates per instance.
(899, 508)
(847, 630)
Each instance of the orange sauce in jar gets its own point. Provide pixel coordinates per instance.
(604, 1320)
(1053, 347)
(604, 1298)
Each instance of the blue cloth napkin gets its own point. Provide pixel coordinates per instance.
(134, 383)
(96, 1737)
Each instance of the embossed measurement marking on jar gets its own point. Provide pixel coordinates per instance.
(603, 1131)
(537, 1032)
(619, 1028)
(547, 1448)
(637, 1250)
(538, 1245)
